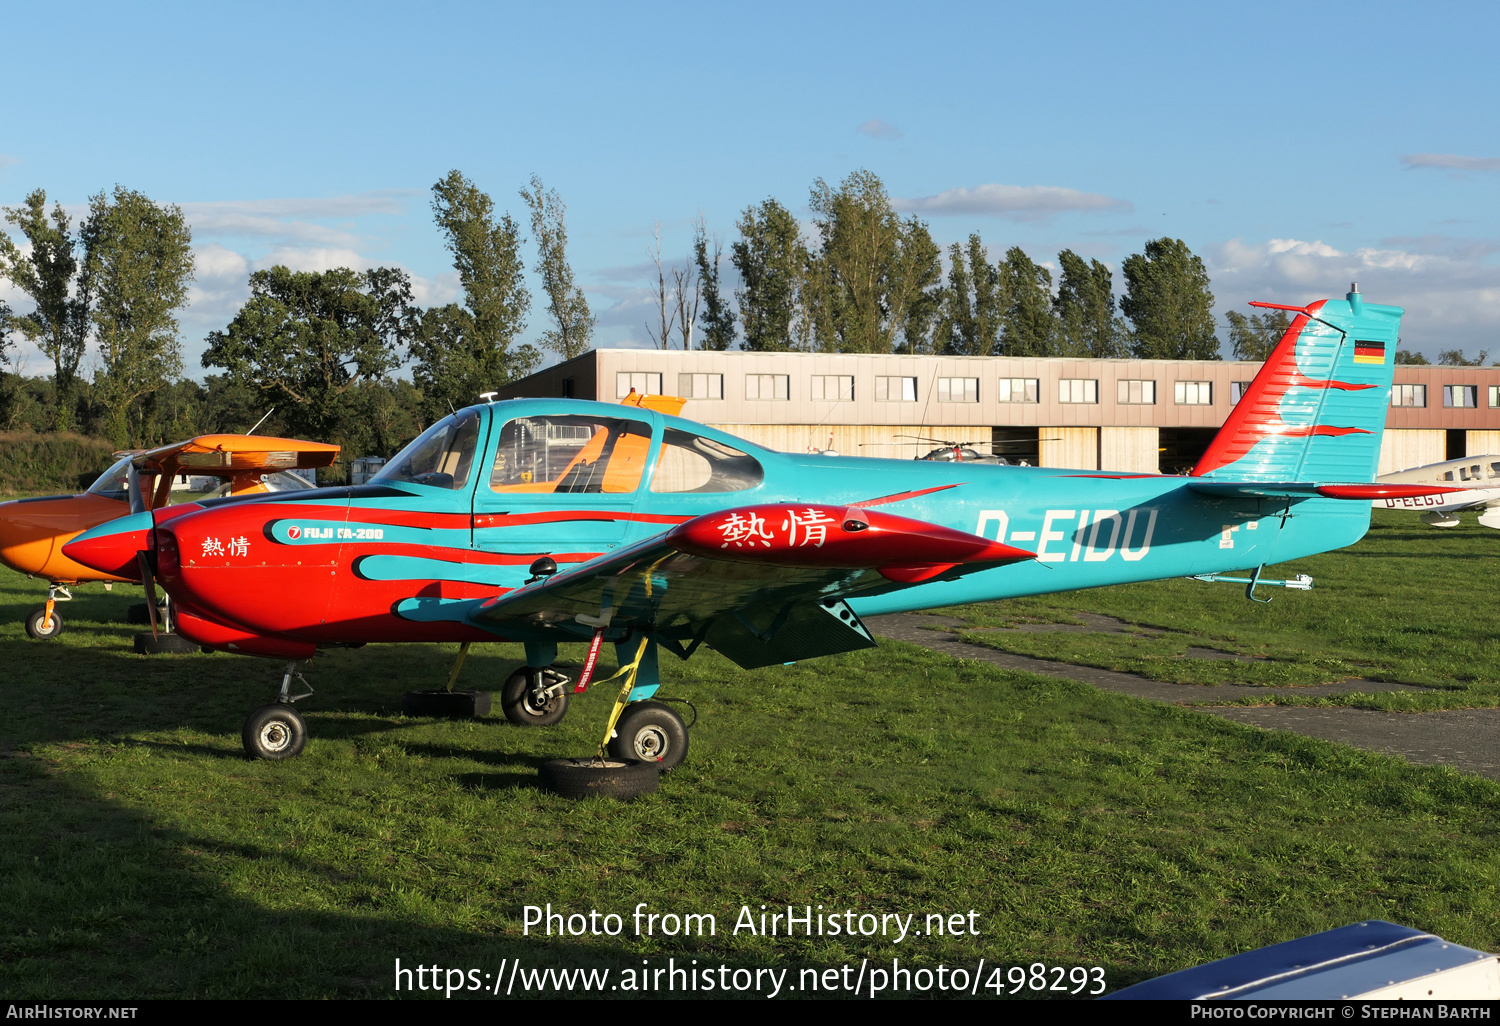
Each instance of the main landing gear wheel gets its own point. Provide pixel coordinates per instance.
(650, 732)
(603, 778)
(274, 732)
(441, 702)
(34, 621)
(535, 698)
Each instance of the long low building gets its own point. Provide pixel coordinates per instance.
(1141, 416)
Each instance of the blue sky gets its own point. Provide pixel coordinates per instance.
(1295, 147)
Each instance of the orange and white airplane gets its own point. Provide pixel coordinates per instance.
(33, 531)
(1476, 478)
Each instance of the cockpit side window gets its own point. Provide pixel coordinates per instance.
(693, 463)
(574, 454)
(441, 457)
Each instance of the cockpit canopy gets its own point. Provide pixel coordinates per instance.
(573, 454)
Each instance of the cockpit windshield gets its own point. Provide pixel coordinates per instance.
(441, 457)
(114, 483)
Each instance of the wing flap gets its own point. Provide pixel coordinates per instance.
(763, 584)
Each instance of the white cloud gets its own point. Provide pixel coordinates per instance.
(292, 219)
(1451, 298)
(437, 291)
(1450, 161)
(877, 129)
(313, 258)
(1016, 202)
(6, 160)
(213, 261)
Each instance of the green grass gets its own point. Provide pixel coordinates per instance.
(1410, 604)
(141, 855)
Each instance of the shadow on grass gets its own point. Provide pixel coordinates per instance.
(99, 901)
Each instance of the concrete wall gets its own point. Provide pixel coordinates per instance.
(1077, 448)
(1401, 450)
(845, 439)
(1483, 443)
(928, 410)
(1107, 434)
(1130, 449)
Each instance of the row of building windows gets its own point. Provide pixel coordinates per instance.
(1455, 397)
(893, 388)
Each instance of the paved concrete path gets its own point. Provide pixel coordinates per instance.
(1466, 739)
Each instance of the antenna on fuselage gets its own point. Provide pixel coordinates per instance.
(488, 397)
(262, 420)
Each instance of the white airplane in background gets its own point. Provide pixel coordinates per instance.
(1476, 477)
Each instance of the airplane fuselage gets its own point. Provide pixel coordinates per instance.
(1475, 478)
(408, 560)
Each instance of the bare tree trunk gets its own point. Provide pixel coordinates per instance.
(662, 338)
(687, 311)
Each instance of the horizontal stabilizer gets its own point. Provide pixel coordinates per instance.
(1313, 490)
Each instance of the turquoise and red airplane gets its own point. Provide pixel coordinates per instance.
(543, 521)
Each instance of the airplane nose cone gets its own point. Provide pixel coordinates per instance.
(111, 547)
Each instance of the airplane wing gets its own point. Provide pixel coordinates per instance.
(222, 455)
(762, 584)
(1298, 490)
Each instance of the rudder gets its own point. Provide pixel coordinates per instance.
(1317, 409)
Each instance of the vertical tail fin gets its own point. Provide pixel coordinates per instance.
(1317, 409)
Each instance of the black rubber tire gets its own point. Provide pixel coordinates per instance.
(442, 702)
(147, 643)
(34, 624)
(274, 732)
(650, 732)
(517, 704)
(602, 778)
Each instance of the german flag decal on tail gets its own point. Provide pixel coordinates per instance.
(1369, 352)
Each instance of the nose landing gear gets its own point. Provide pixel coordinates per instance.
(43, 622)
(277, 731)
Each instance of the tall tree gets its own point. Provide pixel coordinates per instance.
(139, 258)
(309, 340)
(878, 278)
(7, 329)
(49, 276)
(914, 293)
(1169, 304)
(662, 335)
(861, 238)
(1253, 337)
(718, 318)
(1028, 326)
(461, 351)
(1410, 357)
(971, 303)
(687, 289)
(574, 325)
(772, 261)
(1085, 309)
(1456, 358)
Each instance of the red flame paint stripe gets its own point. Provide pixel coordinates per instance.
(899, 496)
